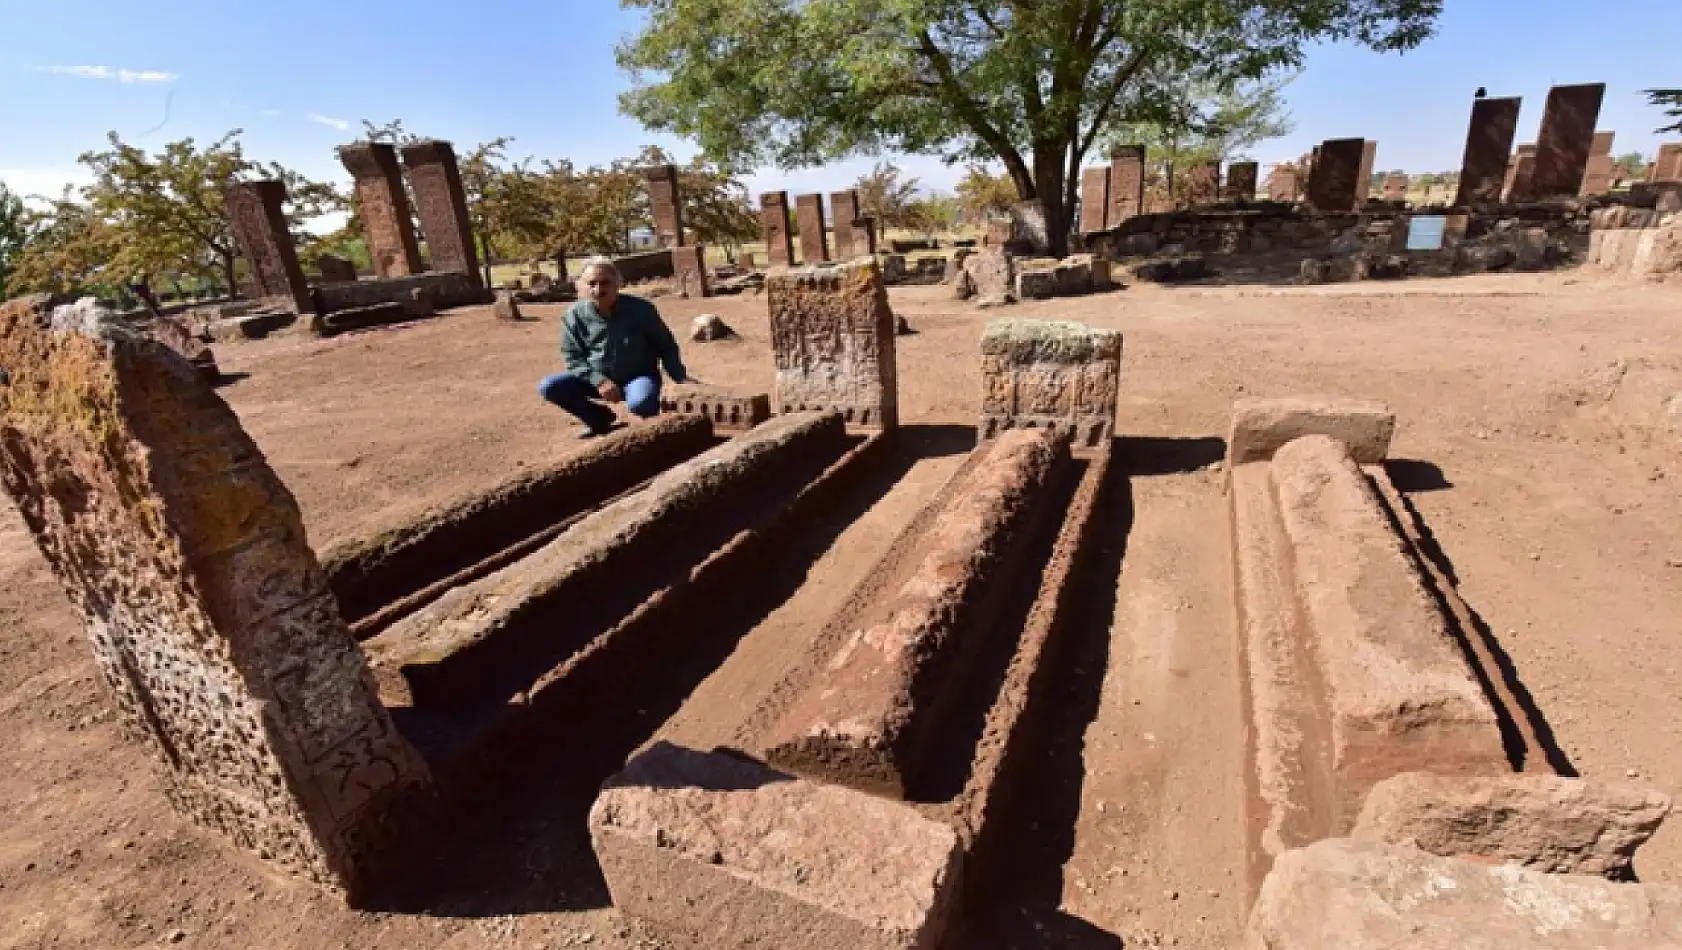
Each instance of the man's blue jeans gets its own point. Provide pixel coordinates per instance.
(576, 395)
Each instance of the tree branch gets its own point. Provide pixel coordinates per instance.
(970, 112)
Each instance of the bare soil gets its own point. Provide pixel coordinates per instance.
(1556, 523)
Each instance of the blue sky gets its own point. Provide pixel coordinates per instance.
(299, 76)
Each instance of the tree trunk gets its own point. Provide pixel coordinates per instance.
(228, 272)
(1048, 186)
(485, 258)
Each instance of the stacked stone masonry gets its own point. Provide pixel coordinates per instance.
(832, 338)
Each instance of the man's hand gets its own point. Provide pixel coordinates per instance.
(610, 391)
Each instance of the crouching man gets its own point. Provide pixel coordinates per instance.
(614, 345)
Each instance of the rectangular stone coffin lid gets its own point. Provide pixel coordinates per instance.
(832, 337)
(1261, 426)
(209, 617)
(1050, 374)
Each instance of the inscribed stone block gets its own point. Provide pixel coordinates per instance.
(441, 205)
(1489, 141)
(209, 616)
(814, 242)
(844, 209)
(773, 223)
(1241, 180)
(1050, 374)
(258, 220)
(1562, 147)
(1334, 182)
(384, 206)
(1127, 184)
(832, 338)
(1363, 180)
(689, 267)
(667, 205)
(1094, 199)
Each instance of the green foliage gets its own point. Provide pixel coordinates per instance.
(66, 252)
(1029, 84)
(982, 193)
(14, 231)
(1671, 101)
(1630, 165)
(887, 198)
(933, 214)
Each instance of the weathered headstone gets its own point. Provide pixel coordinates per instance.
(1521, 171)
(1094, 199)
(1127, 184)
(1395, 187)
(384, 207)
(689, 268)
(1335, 180)
(1489, 140)
(1563, 145)
(1667, 165)
(209, 616)
(258, 221)
(335, 270)
(441, 205)
(832, 338)
(1203, 183)
(1283, 184)
(814, 242)
(773, 224)
(1241, 181)
(667, 205)
(1363, 179)
(844, 209)
(1050, 375)
(1597, 176)
(864, 236)
(1028, 228)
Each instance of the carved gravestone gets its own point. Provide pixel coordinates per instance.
(441, 204)
(1363, 179)
(1094, 199)
(1489, 140)
(1521, 174)
(668, 206)
(1395, 187)
(814, 242)
(1567, 139)
(257, 216)
(384, 207)
(1667, 166)
(773, 223)
(210, 619)
(689, 267)
(1334, 181)
(845, 209)
(1241, 181)
(1050, 375)
(1127, 184)
(335, 270)
(832, 336)
(1282, 184)
(1203, 183)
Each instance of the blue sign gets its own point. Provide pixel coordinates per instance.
(1425, 232)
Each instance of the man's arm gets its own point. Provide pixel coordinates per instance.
(576, 352)
(666, 346)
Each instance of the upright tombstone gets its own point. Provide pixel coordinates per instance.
(1203, 183)
(864, 236)
(384, 207)
(1567, 136)
(1395, 187)
(210, 618)
(667, 205)
(1050, 375)
(1283, 184)
(1094, 199)
(773, 224)
(441, 205)
(689, 269)
(1521, 175)
(1667, 165)
(1127, 184)
(1597, 176)
(1335, 181)
(1363, 179)
(814, 242)
(1241, 181)
(258, 218)
(844, 210)
(832, 337)
(1489, 141)
(335, 270)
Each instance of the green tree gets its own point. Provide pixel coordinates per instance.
(1203, 122)
(14, 230)
(886, 197)
(66, 251)
(1630, 165)
(1671, 101)
(933, 214)
(982, 193)
(1028, 83)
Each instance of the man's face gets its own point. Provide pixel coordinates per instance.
(600, 285)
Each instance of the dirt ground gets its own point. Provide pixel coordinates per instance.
(1557, 523)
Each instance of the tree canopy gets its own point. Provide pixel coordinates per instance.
(14, 230)
(1671, 101)
(1033, 84)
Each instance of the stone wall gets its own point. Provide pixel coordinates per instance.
(445, 290)
(647, 265)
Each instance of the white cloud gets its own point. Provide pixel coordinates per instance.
(119, 75)
(326, 120)
(46, 182)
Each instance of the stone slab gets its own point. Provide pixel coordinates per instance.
(1054, 375)
(1352, 895)
(666, 204)
(257, 217)
(458, 650)
(872, 719)
(726, 410)
(832, 339)
(1334, 183)
(441, 206)
(1399, 692)
(1566, 139)
(689, 267)
(1094, 199)
(774, 227)
(1127, 184)
(186, 559)
(1241, 178)
(1261, 426)
(844, 210)
(383, 204)
(814, 240)
(1552, 824)
(991, 276)
(718, 849)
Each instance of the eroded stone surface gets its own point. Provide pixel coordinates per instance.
(209, 616)
(870, 719)
(1339, 894)
(441, 205)
(384, 206)
(1052, 375)
(1560, 825)
(1399, 693)
(715, 846)
(1261, 426)
(832, 337)
(991, 276)
(257, 216)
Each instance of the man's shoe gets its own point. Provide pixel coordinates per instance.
(586, 432)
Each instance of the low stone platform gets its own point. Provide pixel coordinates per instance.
(726, 410)
(726, 852)
(1340, 894)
